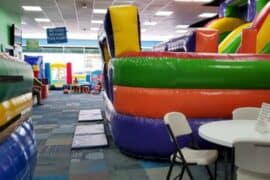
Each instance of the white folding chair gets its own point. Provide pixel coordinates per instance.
(177, 126)
(246, 113)
(253, 160)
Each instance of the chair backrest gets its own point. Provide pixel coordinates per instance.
(253, 156)
(177, 123)
(246, 113)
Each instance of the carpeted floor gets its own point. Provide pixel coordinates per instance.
(54, 124)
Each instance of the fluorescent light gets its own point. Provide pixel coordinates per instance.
(143, 30)
(32, 8)
(150, 23)
(23, 22)
(48, 27)
(97, 22)
(199, 1)
(99, 11)
(94, 29)
(207, 15)
(181, 26)
(203, 1)
(163, 13)
(42, 20)
(181, 31)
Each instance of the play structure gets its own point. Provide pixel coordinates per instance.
(37, 65)
(141, 87)
(18, 148)
(237, 19)
(58, 74)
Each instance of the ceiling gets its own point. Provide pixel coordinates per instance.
(78, 19)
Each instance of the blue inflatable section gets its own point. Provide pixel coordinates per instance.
(18, 154)
(148, 138)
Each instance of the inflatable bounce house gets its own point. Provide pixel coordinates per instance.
(58, 74)
(236, 20)
(18, 148)
(37, 65)
(141, 87)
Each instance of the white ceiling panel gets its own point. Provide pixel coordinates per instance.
(77, 15)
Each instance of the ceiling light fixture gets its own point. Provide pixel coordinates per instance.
(23, 22)
(99, 11)
(32, 8)
(94, 29)
(42, 20)
(48, 27)
(97, 21)
(164, 13)
(199, 1)
(181, 31)
(150, 23)
(143, 30)
(207, 15)
(181, 26)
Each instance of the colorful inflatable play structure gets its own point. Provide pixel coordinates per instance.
(58, 74)
(237, 19)
(141, 87)
(17, 144)
(37, 65)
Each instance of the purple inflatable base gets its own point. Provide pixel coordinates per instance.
(148, 138)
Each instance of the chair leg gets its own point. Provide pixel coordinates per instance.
(209, 172)
(215, 173)
(170, 171)
(189, 173)
(182, 172)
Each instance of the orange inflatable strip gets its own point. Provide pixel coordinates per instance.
(194, 103)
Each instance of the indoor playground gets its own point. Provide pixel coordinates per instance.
(183, 91)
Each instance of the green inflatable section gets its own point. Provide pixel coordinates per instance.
(266, 49)
(15, 79)
(233, 45)
(196, 74)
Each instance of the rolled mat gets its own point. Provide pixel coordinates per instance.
(186, 73)
(15, 79)
(194, 103)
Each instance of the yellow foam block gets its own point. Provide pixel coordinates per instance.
(125, 26)
(13, 107)
(263, 36)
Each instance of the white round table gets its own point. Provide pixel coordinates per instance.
(226, 132)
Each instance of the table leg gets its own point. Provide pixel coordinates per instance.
(229, 164)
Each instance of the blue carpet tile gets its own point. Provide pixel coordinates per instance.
(54, 124)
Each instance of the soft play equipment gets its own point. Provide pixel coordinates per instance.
(235, 16)
(58, 74)
(37, 65)
(141, 87)
(18, 148)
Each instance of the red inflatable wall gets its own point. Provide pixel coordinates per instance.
(69, 73)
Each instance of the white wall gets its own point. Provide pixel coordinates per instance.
(80, 62)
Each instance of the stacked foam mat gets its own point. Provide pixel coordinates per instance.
(90, 132)
(141, 87)
(18, 149)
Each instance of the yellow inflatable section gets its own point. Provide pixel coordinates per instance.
(225, 24)
(227, 41)
(263, 36)
(125, 26)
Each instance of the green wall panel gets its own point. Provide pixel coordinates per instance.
(10, 13)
